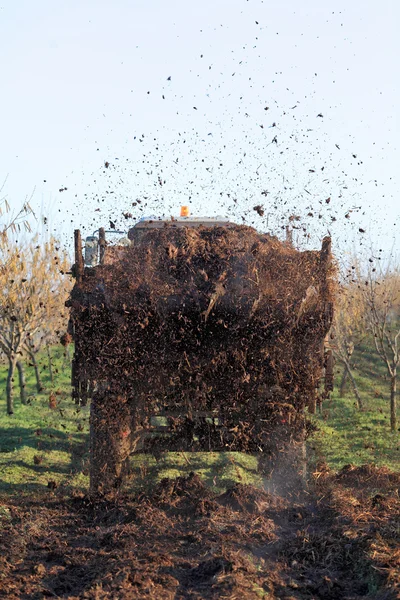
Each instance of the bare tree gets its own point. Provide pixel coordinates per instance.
(381, 292)
(31, 348)
(349, 330)
(32, 295)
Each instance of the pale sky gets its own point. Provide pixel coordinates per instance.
(173, 95)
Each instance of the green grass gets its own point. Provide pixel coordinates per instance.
(348, 435)
(58, 438)
(219, 470)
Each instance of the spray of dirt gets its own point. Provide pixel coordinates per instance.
(219, 330)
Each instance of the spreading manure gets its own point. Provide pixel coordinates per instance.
(219, 329)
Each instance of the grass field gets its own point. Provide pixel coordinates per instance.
(54, 439)
(348, 435)
(41, 446)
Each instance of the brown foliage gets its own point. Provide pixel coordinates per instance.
(33, 289)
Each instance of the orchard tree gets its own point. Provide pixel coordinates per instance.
(32, 346)
(349, 330)
(33, 289)
(381, 292)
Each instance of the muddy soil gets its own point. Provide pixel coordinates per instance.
(341, 540)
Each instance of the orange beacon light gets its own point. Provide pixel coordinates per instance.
(184, 211)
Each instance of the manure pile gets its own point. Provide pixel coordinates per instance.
(200, 323)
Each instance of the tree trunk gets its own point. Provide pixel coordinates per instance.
(393, 407)
(50, 365)
(354, 385)
(39, 384)
(9, 385)
(22, 383)
(343, 381)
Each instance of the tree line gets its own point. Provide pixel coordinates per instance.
(368, 310)
(33, 290)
